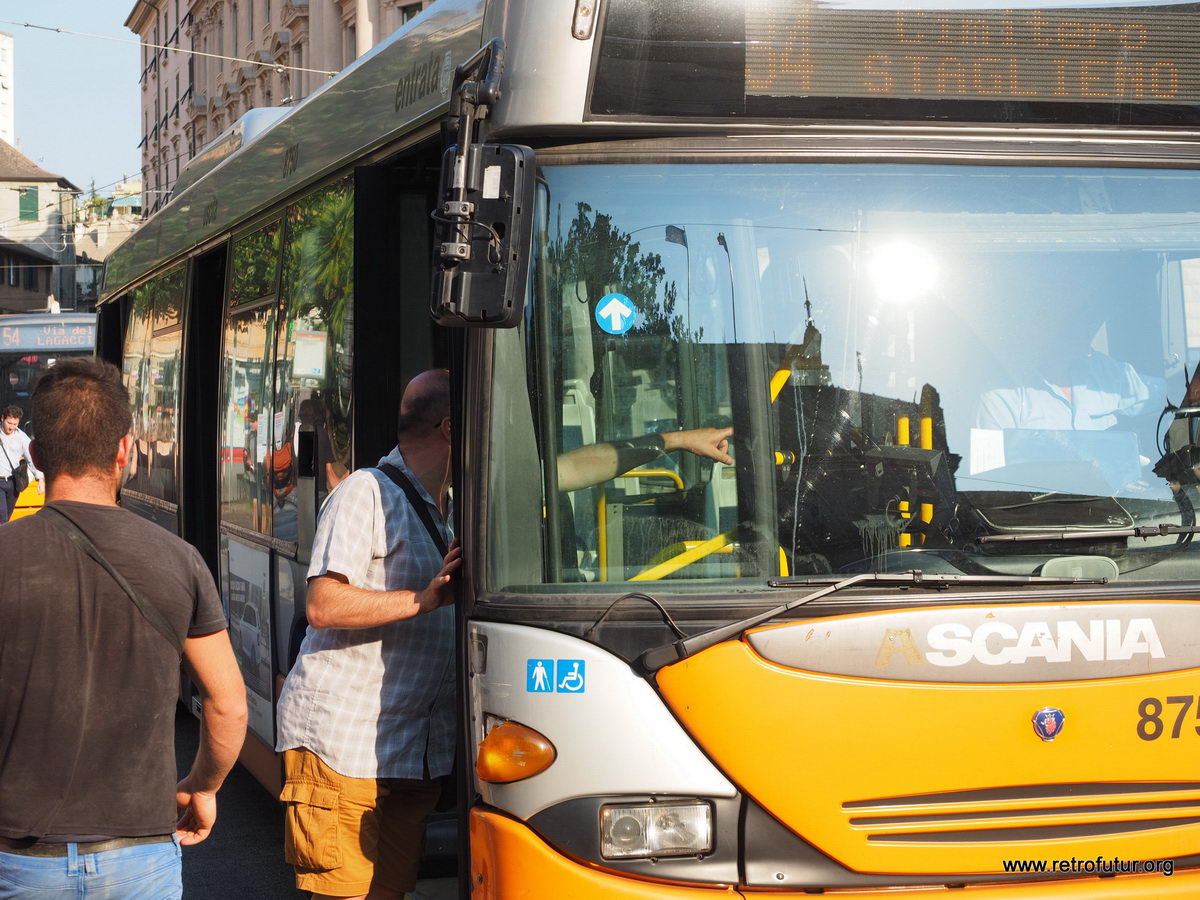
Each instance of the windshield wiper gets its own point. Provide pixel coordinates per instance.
(657, 657)
(1145, 531)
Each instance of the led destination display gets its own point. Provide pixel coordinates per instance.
(1133, 62)
(47, 337)
(1144, 54)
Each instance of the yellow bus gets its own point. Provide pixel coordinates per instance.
(29, 344)
(935, 265)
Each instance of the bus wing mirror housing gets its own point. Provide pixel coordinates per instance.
(483, 236)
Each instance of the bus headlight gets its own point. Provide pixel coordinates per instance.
(656, 830)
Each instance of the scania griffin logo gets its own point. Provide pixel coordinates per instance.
(1048, 722)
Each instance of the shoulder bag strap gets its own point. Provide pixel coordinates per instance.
(418, 504)
(148, 610)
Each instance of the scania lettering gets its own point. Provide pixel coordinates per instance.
(826, 426)
(999, 643)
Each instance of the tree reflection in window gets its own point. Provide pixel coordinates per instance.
(255, 265)
(313, 363)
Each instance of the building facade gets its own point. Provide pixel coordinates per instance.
(37, 241)
(165, 86)
(244, 54)
(102, 224)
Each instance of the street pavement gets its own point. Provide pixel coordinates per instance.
(243, 857)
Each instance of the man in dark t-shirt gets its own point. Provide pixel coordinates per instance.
(89, 678)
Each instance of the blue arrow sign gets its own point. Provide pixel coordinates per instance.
(615, 313)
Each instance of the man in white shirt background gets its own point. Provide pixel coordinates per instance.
(14, 445)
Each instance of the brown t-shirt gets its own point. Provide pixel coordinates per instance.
(87, 686)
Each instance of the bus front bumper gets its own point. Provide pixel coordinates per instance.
(510, 862)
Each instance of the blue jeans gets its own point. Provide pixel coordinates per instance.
(142, 872)
(8, 499)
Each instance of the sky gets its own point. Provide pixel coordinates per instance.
(77, 98)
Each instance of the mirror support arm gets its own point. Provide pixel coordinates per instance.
(485, 211)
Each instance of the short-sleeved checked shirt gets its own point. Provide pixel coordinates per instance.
(375, 702)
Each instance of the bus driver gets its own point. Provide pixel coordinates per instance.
(1071, 384)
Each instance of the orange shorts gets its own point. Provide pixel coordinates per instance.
(344, 834)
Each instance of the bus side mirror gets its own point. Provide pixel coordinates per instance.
(483, 236)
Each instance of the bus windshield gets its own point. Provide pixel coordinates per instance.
(911, 361)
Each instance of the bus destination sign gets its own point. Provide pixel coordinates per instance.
(47, 337)
(1147, 54)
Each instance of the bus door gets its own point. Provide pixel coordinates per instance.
(284, 433)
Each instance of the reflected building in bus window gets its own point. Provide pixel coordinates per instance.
(152, 371)
(247, 426)
(313, 357)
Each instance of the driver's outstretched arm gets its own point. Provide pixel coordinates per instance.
(586, 466)
(595, 463)
(710, 442)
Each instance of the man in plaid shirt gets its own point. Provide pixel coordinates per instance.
(366, 718)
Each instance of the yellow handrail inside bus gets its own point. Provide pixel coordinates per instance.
(694, 550)
(654, 473)
(602, 511)
(692, 545)
(784, 372)
(687, 557)
(794, 352)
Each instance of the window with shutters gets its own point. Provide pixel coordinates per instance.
(29, 203)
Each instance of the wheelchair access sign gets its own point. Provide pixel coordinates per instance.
(549, 676)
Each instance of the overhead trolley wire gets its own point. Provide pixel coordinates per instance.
(52, 204)
(18, 244)
(278, 67)
(92, 265)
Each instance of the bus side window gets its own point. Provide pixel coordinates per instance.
(153, 350)
(246, 390)
(162, 385)
(137, 336)
(312, 412)
(246, 428)
(255, 266)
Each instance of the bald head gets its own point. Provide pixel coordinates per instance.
(425, 404)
